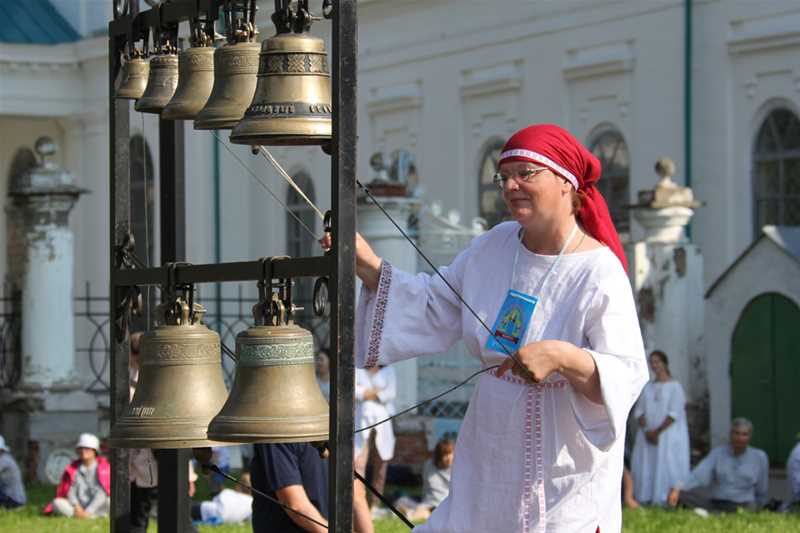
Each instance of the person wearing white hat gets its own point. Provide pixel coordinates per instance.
(12, 491)
(85, 488)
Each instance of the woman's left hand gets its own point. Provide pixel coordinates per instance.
(539, 360)
(652, 436)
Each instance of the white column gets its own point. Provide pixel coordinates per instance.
(389, 244)
(44, 197)
(667, 272)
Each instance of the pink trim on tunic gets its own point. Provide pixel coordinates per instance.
(382, 298)
(533, 457)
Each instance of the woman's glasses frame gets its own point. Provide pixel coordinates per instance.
(524, 175)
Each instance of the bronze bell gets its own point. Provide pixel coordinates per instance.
(235, 69)
(195, 80)
(275, 395)
(161, 84)
(292, 103)
(132, 78)
(180, 384)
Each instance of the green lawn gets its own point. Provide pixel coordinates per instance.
(29, 520)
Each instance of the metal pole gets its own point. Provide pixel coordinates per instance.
(173, 467)
(119, 203)
(343, 167)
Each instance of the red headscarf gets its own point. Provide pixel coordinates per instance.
(555, 148)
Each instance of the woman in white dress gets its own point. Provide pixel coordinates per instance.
(661, 452)
(540, 447)
(376, 389)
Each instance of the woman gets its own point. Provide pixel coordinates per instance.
(85, 488)
(376, 389)
(435, 483)
(540, 448)
(661, 452)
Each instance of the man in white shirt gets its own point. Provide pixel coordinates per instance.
(737, 473)
(793, 476)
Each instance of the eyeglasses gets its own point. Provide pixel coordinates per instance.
(524, 175)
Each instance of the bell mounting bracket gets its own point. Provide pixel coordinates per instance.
(274, 306)
(297, 20)
(178, 298)
(240, 20)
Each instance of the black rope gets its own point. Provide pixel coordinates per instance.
(373, 490)
(436, 270)
(420, 404)
(216, 469)
(382, 498)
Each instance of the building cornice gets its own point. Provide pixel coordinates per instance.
(756, 35)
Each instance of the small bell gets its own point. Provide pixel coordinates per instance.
(195, 81)
(275, 395)
(292, 102)
(180, 388)
(235, 69)
(161, 84)
(132, 78)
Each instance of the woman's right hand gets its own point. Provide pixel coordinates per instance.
(642, 421)
(368, 263)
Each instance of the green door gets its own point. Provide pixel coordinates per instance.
(765, 373)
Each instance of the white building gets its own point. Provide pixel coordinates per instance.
(449, 81)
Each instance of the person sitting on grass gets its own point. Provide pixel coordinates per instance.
(12, 491)
(793, 477)
(435, 482)
(737, 473)
(85, 488)
(229, 506)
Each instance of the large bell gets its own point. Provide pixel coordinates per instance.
(133, 79)
(275, 396)
(195, 81)
(235, 69)
(161, 84)
(180, 384)
(292, 104)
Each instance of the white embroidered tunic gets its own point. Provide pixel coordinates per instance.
(528, 457)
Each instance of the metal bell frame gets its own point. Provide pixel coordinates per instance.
(337, 265)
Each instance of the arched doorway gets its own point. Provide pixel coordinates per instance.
(765, 372)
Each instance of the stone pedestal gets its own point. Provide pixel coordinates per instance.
(48, 408)
(389, 244)
(667, 272)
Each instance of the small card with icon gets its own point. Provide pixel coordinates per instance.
(512, 322)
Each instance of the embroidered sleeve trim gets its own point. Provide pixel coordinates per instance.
(381, 300)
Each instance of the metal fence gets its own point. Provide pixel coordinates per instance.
(10, 333)
(228, 315)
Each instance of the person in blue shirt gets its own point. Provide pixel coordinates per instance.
(295, 475)
(737, 473)
(12, 491)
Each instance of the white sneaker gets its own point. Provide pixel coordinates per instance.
(701, 512)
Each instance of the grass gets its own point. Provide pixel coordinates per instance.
(28, 519)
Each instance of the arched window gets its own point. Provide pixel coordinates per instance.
(612, 151)
(299, 242)
(142, 220)
(776, 171)
(142, 198)
(490, 202)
